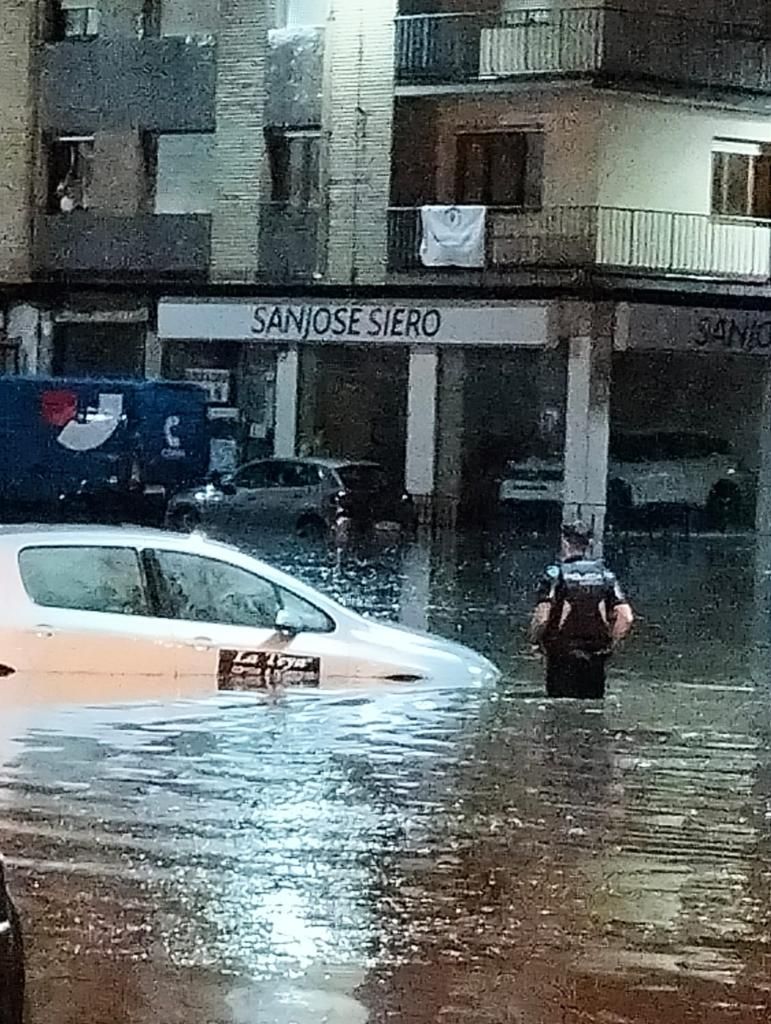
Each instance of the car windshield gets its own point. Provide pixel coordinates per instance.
(362, 477)
(658, 446)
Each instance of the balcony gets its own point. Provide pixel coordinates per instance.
(446, 49)
(160, 85)
(644, 242)
(89, 245)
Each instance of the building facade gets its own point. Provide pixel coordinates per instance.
(237, 192)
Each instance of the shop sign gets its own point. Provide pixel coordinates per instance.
(388, 323)
(215, 382)
(694, 329)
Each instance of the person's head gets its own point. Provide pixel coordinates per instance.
(576, 538)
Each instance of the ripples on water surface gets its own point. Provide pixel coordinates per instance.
(421, 856)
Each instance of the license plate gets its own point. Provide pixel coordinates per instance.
(247, 671)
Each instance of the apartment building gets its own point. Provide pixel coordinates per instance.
(442, 235)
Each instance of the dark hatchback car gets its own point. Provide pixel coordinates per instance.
(301, 496)
(11, 959)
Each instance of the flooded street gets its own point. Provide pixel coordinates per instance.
(420, 855)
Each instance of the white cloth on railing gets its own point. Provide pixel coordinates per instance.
(453, 236)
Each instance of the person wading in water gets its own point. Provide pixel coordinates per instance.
(581, 616)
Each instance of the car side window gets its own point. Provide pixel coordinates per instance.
(195, 588)
(294, 474)
(304, 614)
(254, 477)
(83, 578)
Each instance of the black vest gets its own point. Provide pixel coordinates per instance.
(580, 616)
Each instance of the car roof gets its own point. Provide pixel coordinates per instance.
(126, 536)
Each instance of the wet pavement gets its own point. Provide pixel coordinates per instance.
(427, 855)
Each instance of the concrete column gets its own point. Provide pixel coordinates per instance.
(308, 401)
(416, 585)
(287, 377)
(357, 122)
(45, 351)
(421, 428)
(449, 436)
(153, 355)
(587, 421)
(17, 134)
(242, 43)
(763, 508)
(23, 329)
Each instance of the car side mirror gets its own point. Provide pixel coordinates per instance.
(286, 624)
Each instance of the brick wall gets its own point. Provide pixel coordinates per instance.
(16, 127)
(240, 146)
(357, 121)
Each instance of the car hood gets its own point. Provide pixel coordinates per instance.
(193, 494)
(405, 642)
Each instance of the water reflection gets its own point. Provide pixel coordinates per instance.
(427, 854)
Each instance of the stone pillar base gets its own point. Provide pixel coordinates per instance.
(424, 509)
(436, 511)
(446, 512)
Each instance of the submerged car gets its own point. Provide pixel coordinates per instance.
(645, 469)
(95, 613)
(11, 959)
(302, 496)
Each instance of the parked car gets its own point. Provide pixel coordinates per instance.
(11, 959)
(95, 612)
(304, 496)
(645, 469)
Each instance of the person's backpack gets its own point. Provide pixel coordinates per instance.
(580, 616)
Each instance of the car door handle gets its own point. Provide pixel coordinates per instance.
(44, 631)
(202, 643)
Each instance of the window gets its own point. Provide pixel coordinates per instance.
(296, 474)
(256, 476)
(88, 579)
(184, 179)
(500, 168)
(200, 589)
(303, 613)
(277, 474)
(363, 477)
(741, 179)
(291, 13)
(75, 19)
(70, 169)
(294, 166)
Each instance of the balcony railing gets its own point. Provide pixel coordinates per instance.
(460, 48)
(641, 241)
(91, 245)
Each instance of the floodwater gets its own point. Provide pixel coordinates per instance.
(420, 856)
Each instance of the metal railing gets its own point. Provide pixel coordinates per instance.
(438, 47)
(449, 48)
(640, 241)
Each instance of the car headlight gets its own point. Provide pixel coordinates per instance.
(208, 494)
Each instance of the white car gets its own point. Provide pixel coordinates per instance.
(645, 469)
(97, 614)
